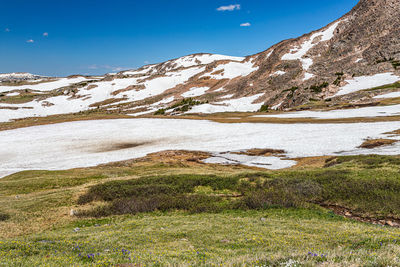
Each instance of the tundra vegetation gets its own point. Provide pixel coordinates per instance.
(158, 212)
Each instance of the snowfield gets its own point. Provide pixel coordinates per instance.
(244, 104)
(389, 95)
(194, 60)
(232, 70)
(196, 91)
(89, 143)
(367, 112)
(367, 82)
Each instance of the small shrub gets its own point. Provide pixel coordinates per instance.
(4, 217)
(366, 184)
(264, 108)
(186, 104)
(160, 112)
(395, 64)
(318, 88)
(262, 199)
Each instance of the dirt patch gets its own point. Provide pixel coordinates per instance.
(397, 132)
(107, 102)
(129, 88)
(166, 157)
(90, 87)
(311, 162)
(261, 152)
(372, 143)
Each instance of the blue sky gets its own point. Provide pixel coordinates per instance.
(63, 37)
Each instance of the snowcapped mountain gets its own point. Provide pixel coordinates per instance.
(19, 76)
(335, 64)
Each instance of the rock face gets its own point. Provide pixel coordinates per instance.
(360, 49)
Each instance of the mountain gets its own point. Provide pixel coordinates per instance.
(19, 76)
(332, 65)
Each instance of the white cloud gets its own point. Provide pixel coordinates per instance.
(107, 67)
(247, 24)
(45, 34)
(229, 8)
(30, 41)
(93, 67)
(117, 68)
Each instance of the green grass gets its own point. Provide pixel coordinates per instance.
(230, 216)
(29, 181)
(232, 238)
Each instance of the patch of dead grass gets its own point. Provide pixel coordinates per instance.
(373, 143)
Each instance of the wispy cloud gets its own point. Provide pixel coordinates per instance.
(117, 68)
(7, 30)
(107, 67)
(30, 41)
(247, 24)
(93, 67)
(229, 8)
(45, 34)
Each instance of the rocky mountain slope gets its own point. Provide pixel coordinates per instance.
(359, 51)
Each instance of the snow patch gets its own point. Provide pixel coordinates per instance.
(278, 73)
(367, 112)
(227, 96)
(196, 91)
(307, 76)
(271, 163)
(232, 70)
(13, 94)
(389, 95)
(298, 53)
(277, 106)
(367, 82)
(244, 104)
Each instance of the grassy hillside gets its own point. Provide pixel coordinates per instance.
(177, 211)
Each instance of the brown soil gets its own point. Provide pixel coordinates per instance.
(129, 88)
(90, 87)
(166, 157)
(106, 102)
